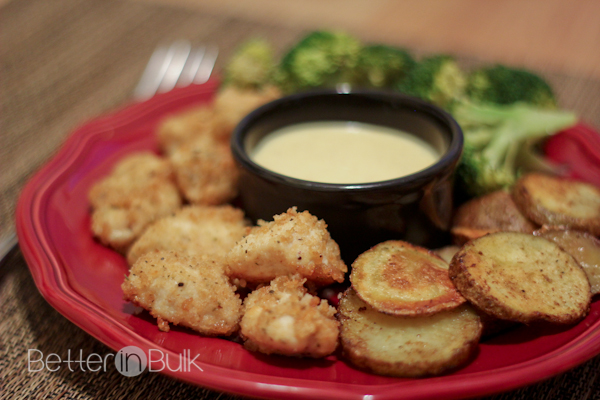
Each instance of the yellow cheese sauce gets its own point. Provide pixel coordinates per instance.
(343, 152)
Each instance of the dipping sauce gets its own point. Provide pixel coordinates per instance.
(343, 152)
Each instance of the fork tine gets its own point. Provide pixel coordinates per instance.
(176, 65)
(150, 79)
(181, 51)
(191, 67)
(207, 65)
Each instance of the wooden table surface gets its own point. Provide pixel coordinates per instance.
(557, 35)
(63, 62)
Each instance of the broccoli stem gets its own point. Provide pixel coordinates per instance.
(525, 122)
(493, 136)
(495, 152)
(479, 137)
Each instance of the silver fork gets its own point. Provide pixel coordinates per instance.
(176, 65)
(169, 66)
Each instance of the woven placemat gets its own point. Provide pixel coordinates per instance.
(65, 61)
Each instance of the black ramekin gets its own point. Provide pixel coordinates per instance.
(416, 208)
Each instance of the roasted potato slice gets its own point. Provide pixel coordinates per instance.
(550, 200)
(447, 252)
(521, 277)
(462, 234)
(399, 278)
(494, 212)
(406, 347)
(584, 247)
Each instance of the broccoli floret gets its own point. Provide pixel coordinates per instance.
(476, 176)
(499, 84)
(437, 79)
(382, 66)
(251, 66)
(320, 59)
(493, 134)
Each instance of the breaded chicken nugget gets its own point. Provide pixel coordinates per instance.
(292, 243)
(205, 171)
(232, 104)
(550, 200)
(195, 231)
(283, 318)
(176, 129)
(139, 190)
(185, 291)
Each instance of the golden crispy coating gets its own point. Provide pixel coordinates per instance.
(138, 191)
(232, 104)
(282, 318)
(176, 129)
(406, 346)
(521, 277)
(584, 247)
(205, 171)
(193, 230)
(549, 200)
(494, 212)
(292, 243)
(185, 291)
(399, 278)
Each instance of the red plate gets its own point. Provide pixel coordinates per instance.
(81, 279)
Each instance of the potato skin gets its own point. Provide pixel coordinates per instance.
(408, 347)
(521, 277)
(583, 246)
(399, 278)
(550, 200)
(494, 212)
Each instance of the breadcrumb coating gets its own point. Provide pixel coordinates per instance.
(139, 190)
(193, 230)
(292, 243)
(283, 318)
(176, 129)
(216, 119)
(185, 291)
(232, 104)
(205, 171)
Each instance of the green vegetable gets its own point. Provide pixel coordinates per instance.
(382, 66)
(499, 84)
(493, 135)
(437, 79)
(251, 66)
(321, 59)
